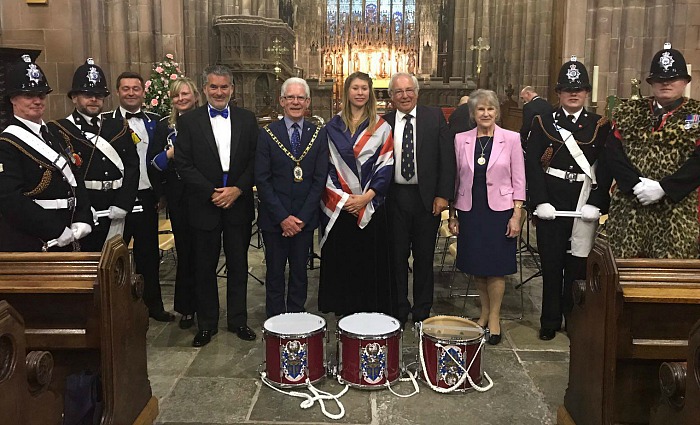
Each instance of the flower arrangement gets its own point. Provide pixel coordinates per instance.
(157, 98)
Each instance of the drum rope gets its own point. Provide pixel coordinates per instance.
(465, 375)
(318, 395)
(412, 378)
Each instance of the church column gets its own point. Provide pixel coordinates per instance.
(460, 46)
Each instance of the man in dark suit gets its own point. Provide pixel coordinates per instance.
(424, 177)
(533, 105)
(291, 167)
(105, 155)
(43, 201)
(142, 226)
(459, 120)
(563, 174)
(215, 158)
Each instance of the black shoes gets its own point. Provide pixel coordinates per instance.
(204, 337)
(243, 332)
(547, 334)
(494, 339)
(186, 321)
(163, 316)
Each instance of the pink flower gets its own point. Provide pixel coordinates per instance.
(159, 69)
(169, 56)
(148, 84)
(173, 76)
(154, 102)
(177, 68)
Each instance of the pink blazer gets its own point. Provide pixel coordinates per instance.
(505, 172)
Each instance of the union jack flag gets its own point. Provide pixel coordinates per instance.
(358, 162)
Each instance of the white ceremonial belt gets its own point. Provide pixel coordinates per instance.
(566, 175)
(56, 204)
(103, 184)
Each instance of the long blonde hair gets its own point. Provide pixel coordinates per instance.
(174, 89)
(370, 108)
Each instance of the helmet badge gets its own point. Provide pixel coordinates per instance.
(573, 73)
(93, 76)
(33, 73)
(666, 60)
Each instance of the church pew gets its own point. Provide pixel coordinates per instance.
(679, 383)
(24, 377)
(629, 316)
(86, 309)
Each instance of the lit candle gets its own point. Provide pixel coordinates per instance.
(594, 95)
(686, 93)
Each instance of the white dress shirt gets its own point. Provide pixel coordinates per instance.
(399, 126)
(139, 128)
(222, 134)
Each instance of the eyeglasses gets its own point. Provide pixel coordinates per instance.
(293, 98)
(407, 92)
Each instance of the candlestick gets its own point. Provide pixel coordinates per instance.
(594, 95)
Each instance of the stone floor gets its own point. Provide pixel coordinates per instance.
(220, 384)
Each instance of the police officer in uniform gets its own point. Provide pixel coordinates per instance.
(564, 177)
(654, 155)
(104, 154)
(43, 201)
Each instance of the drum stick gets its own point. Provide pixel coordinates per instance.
(573, 214)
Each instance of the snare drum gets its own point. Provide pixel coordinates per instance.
(369, 350)
(460, 340)
(294, 349)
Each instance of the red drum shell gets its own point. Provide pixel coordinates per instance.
(294, 349)
(459, 343)
(369, 350)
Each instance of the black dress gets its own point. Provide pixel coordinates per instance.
(355, 268)
(483, 249)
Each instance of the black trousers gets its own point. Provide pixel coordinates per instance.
(185, 294)
(278, 251)
(413, 230)
(559, 270)
(143, 227)
(207, 245)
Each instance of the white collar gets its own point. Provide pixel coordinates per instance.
(34, 127)
(124, 111)
(575, 114)
(400, 115)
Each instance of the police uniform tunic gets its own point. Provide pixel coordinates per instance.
(26, 177)
(664, 147)
(107, 185)
(555, 177)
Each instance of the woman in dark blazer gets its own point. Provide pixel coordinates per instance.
(486, 212)
(184, 97)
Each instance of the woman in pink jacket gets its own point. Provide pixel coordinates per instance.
(486, 213)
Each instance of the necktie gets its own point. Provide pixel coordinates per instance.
(45, 135)
(408, 169)
(214, 112)
(296, 140)
(571, 118)
(95, 122)
(139, 114)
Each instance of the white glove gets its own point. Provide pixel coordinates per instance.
(545, 211)
(590, 213)
(80, 230)
(650, 191)
(65, 238)
(95, 219)
(116, 213)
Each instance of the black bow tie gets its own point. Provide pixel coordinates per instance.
(129, 115)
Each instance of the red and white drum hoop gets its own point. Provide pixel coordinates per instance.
(294, 349)
(369, 350)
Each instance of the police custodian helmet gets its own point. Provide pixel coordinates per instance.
(573, 76)
(89, 78)
(667, 64)
(25, 76)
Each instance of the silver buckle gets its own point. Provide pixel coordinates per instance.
(570, 176)
(71, 203)
(107, 186)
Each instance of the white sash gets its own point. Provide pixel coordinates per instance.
(575, 151)
(103, 146)
(583, 232)
(44, 150)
